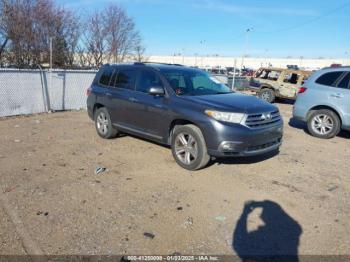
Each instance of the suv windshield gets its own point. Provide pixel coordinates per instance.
(194, 82)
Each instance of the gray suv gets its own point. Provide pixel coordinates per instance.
(324, 102)
(182, 107)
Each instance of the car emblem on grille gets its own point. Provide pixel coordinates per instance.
(266, 116)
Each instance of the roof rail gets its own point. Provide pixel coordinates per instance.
(160, 63)
(139, 63)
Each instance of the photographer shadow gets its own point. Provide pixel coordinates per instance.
(276, 240)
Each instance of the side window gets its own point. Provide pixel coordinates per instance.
(114, 77)
(176, 80)
(126, 79)
(291, 78)
(106, 76)
(146, 80)
(328, 79)
(263, 74)
(273, 75)
(345, 82)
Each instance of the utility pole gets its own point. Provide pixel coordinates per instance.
(51, 63)
(245, 47)
(234, 75)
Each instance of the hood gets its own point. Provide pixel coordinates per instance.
(233, 102)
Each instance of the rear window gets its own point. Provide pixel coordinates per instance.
(344, 83)
(328, 79)
(269, 74)
(106, 75)
(291, 78)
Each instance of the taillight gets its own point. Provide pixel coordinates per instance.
(302, 90)
(88, 91)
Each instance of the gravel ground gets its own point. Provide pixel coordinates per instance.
(145, 204)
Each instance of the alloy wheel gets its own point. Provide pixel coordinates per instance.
(265, 96)
(102, 123)
(322, 124)
(186, 148)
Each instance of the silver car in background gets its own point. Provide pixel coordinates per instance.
(324, 102)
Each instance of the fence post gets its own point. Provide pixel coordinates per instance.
(45, 90)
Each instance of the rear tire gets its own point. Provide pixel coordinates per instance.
(323, 124)
(189, 148)
(267, 95)
(103, 124)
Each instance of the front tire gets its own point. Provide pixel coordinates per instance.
(323, 124)
(267, 95)
(103, 124)
(189, 148)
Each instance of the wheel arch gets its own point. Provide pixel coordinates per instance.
(266, 86)
(178, 122)
(320, 107)
(97, 106)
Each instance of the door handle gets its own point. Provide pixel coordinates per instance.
(132, 99)
(337, 95)
(108, 94)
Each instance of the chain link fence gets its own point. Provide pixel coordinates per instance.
(37, 91)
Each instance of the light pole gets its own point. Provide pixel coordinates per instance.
(195, 59)
(301, 61)
(183, 56)
(266, 51)
(245, 47)
(202, 42)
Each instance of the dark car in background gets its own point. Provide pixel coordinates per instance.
(185, 108)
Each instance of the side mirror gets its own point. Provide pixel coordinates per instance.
(156, 91)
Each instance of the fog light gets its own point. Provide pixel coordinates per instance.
(228, 146)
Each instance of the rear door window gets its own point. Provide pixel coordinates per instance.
(328, 79)
(126, 78)
(106, 76)
(345, 82)
(273, 75)
(113, 77)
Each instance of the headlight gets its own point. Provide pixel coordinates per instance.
(226, 116)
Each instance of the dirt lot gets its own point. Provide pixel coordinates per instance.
(53, 202)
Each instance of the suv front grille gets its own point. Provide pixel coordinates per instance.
(263, 119)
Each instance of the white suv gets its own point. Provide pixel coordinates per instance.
(324, 102)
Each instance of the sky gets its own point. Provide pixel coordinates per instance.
(277, 28)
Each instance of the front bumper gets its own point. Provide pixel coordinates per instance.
(242, 141)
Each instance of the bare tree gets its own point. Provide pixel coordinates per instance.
(140, 53)
(122, 37)
(95, 38)
(4, 11)
(72, 33)
(26, 27)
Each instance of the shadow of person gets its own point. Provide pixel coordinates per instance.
(276, 240)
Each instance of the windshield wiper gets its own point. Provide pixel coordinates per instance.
(223, 93)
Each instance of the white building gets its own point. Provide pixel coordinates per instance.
(255, 63)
